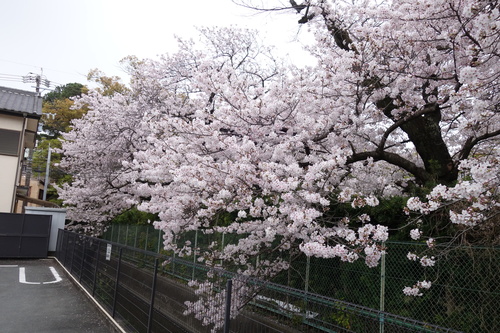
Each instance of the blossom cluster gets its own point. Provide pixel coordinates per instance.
(416, 289)
(477, 191)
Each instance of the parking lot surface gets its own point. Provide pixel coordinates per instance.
(37, 296)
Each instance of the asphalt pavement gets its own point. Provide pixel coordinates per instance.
(37, 296)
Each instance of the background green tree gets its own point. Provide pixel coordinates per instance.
(58, 112)
(107, 85)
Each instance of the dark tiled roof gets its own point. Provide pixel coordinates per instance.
(20, 101)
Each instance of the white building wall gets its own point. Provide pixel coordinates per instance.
(8, 169)
(11, 122)
(9, 166)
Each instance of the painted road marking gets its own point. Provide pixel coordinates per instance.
(22, 276)
(9, 266)
(56, 276)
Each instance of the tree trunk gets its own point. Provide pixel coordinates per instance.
(425, 134)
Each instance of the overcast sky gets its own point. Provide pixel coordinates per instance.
(67, 38)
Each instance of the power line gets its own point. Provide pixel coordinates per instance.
(39, 79)
(10, 77)
(50, 69)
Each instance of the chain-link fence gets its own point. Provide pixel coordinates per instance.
(147, 292)
(465, 293)
(138, 236)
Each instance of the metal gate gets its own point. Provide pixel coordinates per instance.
(24, 235)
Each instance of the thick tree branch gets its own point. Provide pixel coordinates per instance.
(420, 174)
(298, 8)
(425, 110)
(424, 132)
(471, 142)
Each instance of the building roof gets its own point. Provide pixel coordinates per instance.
(17, 101)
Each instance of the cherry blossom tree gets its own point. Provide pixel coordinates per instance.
(404, 96)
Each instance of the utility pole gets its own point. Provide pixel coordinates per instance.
(38, 79)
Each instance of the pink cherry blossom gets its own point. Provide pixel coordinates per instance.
(223, 137)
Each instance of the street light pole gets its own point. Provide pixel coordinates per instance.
(47, 171)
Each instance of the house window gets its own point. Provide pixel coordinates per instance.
(9, 142)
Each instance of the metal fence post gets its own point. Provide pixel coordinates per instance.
(117, 281)
(222, 246)
(73, 254)
(159, 240)
(83, 259)
(306, 285)
(308, 266)
(153, 291)
(96, 268)
(66, 238)
(289, 273)
(135, 238)
(382, 290)
(173, 263)
(227, 318)
(59, 243)
(62, 249)
(194, 252)
(126, 236)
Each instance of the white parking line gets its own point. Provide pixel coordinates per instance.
(56, 276)
(9, 266)
(22, 276)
